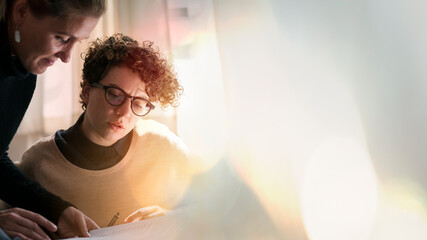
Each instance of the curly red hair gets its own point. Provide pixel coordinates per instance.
(152, 67)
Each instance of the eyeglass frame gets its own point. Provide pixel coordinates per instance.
(132, 98)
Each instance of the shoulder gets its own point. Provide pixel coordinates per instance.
(43, 143)
(158, 142)
(157, 134)
(37, 152)
(149, 126)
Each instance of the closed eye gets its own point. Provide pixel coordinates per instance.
(62, 40)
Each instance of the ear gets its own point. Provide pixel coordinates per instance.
(85, 92)
(20, 11)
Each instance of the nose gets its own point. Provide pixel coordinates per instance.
(124, 109)
(65, 53)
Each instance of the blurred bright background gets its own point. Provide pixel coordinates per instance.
(317, 108)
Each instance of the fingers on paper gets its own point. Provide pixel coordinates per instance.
(81, 224)
(145, 213)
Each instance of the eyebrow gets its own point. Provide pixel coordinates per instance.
(72, 36)
(145, 97)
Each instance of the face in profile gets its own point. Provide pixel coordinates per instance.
(45, 40)
(103, 123)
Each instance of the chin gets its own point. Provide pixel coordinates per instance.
(38, 70)
(114, 139)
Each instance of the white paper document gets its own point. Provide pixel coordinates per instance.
(164, 227)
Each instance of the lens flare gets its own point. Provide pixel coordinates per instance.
(339, 195)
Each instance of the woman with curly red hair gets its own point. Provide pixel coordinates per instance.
(111, 160)
(145, 60)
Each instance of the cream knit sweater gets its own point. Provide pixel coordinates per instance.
(155, 171)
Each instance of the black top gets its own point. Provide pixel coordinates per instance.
(16, 90)
(82, 152)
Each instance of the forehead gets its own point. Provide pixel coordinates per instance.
(78, 28)
(124, 78)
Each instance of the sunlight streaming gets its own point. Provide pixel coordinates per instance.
(201, 77)
(402, 212)
(339, 195)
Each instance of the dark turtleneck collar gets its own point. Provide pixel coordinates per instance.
(82, 152)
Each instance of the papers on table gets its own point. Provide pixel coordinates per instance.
(164, 227)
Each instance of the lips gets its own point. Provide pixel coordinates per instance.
(116, 126)
(50, 62)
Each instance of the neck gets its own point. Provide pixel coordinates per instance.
(90, 134)
(11, 36)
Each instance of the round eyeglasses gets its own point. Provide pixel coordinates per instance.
(116, 97)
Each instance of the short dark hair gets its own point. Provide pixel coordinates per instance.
(152, 67)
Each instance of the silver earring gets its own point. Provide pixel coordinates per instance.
(17, 36)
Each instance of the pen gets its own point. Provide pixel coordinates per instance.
(113, 220)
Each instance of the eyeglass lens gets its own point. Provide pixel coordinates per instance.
(116, 97)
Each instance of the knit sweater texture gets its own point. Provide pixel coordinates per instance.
(154, 171)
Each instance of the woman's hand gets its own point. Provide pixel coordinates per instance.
(18, 222)
(145, 213)
(73, 223)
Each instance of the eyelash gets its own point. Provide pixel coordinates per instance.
(61, 40)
